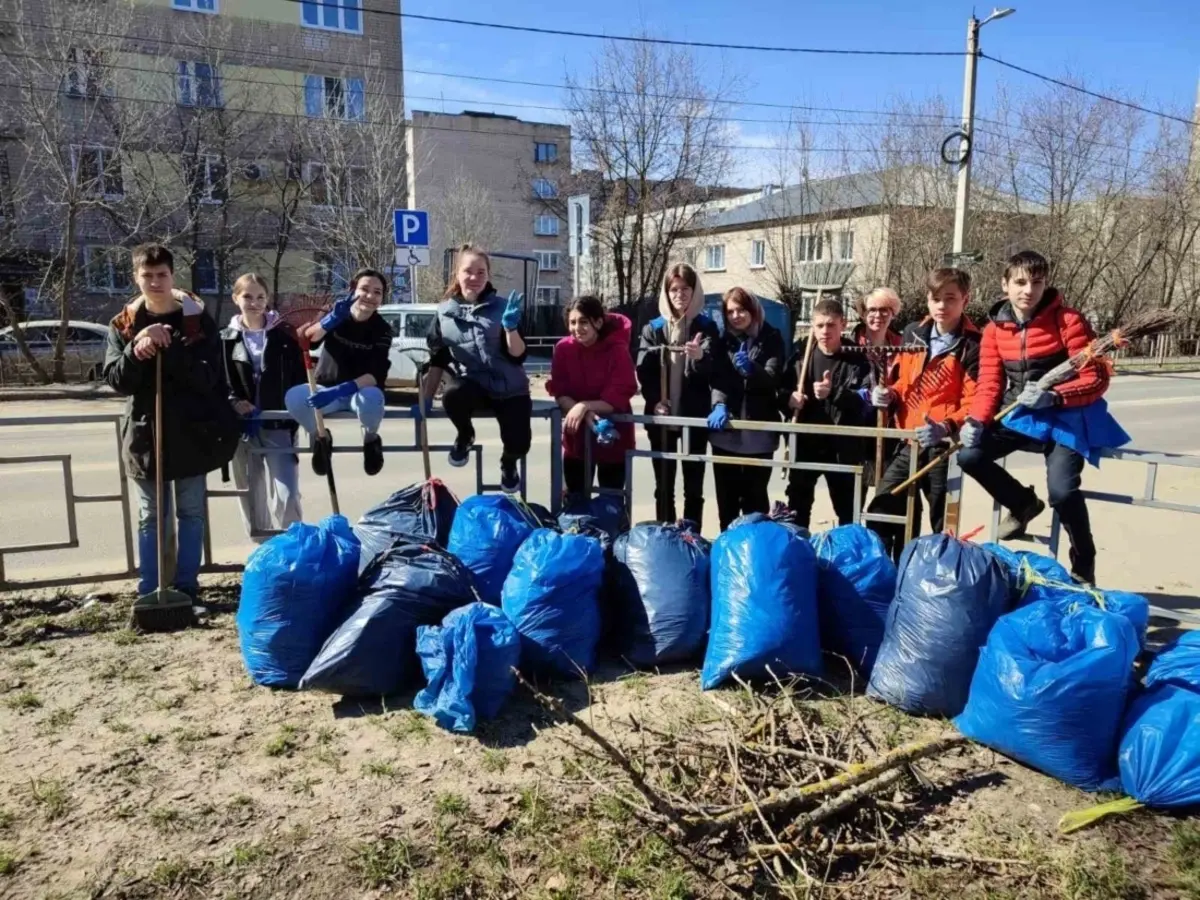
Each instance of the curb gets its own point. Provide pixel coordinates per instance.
(16, 395)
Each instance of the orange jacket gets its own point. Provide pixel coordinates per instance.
(942, 386)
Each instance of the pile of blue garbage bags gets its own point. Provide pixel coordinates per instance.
(451, 600)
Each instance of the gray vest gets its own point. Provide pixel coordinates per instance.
(472, 334)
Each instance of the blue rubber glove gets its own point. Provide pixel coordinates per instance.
(741, 362)
(931, 433)
(606, 431)
(418, 413)
(339, 314)
(718, 418)
(325, 396)
(251, 424)
(971, 435)
(1034, 397)
(511, 317)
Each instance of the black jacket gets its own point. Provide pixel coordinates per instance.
(760, 389)
(353, 349)
(696, 393)
(201, 430)
(849, 373)
(282, 368)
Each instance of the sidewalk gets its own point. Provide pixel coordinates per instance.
(44, 392)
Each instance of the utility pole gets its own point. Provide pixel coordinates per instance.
(966, 148)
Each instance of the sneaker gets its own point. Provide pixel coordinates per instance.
(460, 453)
(510, 477)
(1083, 570)
(1013, 525)
(372, 454)
(322, 450)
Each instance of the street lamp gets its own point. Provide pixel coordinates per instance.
(965, 148)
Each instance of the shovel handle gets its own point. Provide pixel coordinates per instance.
(159, 500)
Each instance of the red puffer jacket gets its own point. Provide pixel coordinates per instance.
(1013, 354)
(603, 371)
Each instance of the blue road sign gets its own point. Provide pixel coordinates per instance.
(411, 227)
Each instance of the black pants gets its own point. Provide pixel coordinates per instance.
(663, 441)
(610, 475)
(802, 483)
(463, 398)
(1064, 475)
(932, 485)
(741, 489)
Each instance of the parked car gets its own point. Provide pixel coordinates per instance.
(84, 350)
(410, 324)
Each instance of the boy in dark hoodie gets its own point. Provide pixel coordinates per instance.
(262, 363)
(200, 427)
(828, 393)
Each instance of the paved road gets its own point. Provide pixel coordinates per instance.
(1161, 412)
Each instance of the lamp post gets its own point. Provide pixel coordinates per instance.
(965, 147)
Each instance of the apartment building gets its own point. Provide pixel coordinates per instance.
(494, 179)
(231, 129)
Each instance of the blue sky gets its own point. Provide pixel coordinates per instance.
(1149, 52)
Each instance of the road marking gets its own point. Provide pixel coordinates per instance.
(25, 469)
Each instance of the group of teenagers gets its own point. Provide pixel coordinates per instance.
(950, 382)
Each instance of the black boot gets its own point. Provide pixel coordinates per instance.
(372, 454)
(693, 511)
(1013, 525)
(322, 450)
(1083, 568)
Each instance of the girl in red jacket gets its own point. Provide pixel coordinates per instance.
(592, 377)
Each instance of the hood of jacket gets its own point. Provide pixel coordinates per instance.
(1002, 313)
(694, 308)
(615, 331)
(192, 306)
(273, 318)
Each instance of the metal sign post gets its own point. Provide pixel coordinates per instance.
(411, 230)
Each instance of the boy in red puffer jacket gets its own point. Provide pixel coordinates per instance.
(592, 377)
(1030, 333)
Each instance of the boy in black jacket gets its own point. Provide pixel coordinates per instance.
(352, 371)
(200, 428)
(262, 363)
(830, 395)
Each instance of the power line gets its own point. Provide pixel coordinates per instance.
(1090, 93)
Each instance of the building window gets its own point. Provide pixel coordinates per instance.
(549, 294)
(689, 256)
(547, 260)
(545, 153)
(810, 247)
(330, 186)
(546, 226)
(330, 275)
(199, 85)
(209, 180)
(332, 15)
(544, 189)
(84, 73)
(714, 257)
(327, 97)
(758, 254)
(206, 275)
(106, 269)
(208, 6)
(98, 170)
(846, 245)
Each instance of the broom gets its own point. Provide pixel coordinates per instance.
(1142, 325)
(296, 321)
(163, 609)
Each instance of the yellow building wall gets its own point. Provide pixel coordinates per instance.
(281, 11)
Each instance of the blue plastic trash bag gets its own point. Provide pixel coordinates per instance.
(764, 604)
(661, 594)
(1014, 560)
(604, 511)
(780, 515)
(1085, 429)
(949, 594)
(295, 590)
(1178, 663)
(487, 530)
(424, 511)
(468, 662)
(1036, 587)
(856, 580)
(1050, 691)
(552, 596)
(1160, 749)
(374, 651)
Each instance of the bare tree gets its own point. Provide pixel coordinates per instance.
(649, 141)
(465, 213)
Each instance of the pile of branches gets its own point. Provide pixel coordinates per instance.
(768, 794)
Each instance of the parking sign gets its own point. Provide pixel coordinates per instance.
(411, 227)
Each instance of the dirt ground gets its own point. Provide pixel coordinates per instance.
(139, 767)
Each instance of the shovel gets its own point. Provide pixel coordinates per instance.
(164, 609)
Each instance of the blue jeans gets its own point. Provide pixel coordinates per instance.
(367, 404)
(189, 512)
